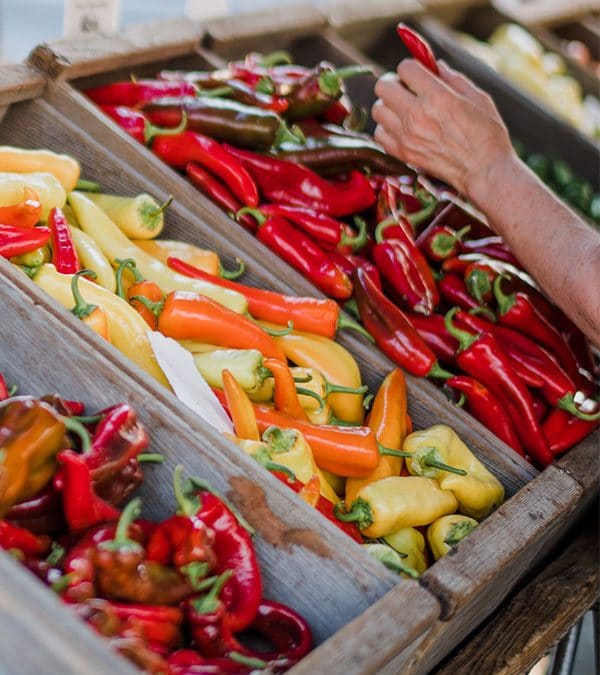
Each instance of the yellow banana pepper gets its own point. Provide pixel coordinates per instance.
(70, 216)
(49, 191)
(139, 217)
(33, 258)
(410, 543)
(447, 531)
(289, 448)
(19, 160)
(92, 258)
(161, 249)
(334, 362)
(386, 505)
(128, 331)
(391, 559)
(337, 483)
(477, 492)
(115, 245)
(246, 365)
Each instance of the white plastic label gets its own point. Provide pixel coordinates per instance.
(207, 9)
(82, 17)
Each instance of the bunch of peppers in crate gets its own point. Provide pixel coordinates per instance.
(171, 596)
(398, 250)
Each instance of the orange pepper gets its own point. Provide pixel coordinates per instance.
(388, 419)
(92, 316)
(140, 288)
(311, 491)
(25, 214)
(285, 396)
(240, 408)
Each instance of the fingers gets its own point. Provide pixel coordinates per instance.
(416, 77)
(468, 89)
(387, 140)
(394, 96)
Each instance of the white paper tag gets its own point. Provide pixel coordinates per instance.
(207, 9)
(82, 17)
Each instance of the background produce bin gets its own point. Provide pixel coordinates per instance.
(470, 583)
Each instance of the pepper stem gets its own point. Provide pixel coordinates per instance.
(151, 457)
(249, 661)
(302, 391)
(360, 239)
(298, 379)
(345, 321)
(215, 92)
(398, 567)
(567, 403)
(352, 308)
(392, 453)
(279, 332)
(284, 135)
(160, 209)
(280, 468)
(419, 216)
(154, 307)
(434, 464)
(485, 311)
(464, 338)
(341, 423)
(330, 83)
(231, 275)
(126, 264)
(280, 440)
(380, 227)
(82, 308)
(209, 603)
(505, 301)
(74, 426)
(186, 506)
(121, 538)
(439, 372)
(356, 69)
(150, 131)
(265, 86)
(360, 513)
(339, 389)
(87, 419)
(255, 213)
(479, 285)
(87, 186)
(277, 58)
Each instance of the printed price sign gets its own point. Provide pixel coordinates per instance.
(207, 9)
(90, 16)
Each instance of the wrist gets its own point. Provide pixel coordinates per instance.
(484, 180)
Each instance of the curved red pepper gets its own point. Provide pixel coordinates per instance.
(137, 125)
(181, 540)
(14, 537)
(131, 94)
(4, 393)
(64, 254)
(418, 47)
(160, 624)
(41, 514)
(433, 331)
(16, 240)
(454, 291)
(439, 242)
(563, 431)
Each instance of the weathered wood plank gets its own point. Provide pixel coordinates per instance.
(581, 463)
(537, 616)
(19, 82)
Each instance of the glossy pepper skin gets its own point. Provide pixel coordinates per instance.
(64, 254)
(409, 542)
(15, 240)
(393, 332)
(446, 532)
(477, 492)
(132, 94)
(288, 183)
(24, 214)
(433, 332)
(387, 505)
(418, 47)
(480, 356)
(139, 288)
(92, 316)
(563, 431)
(454, 291)
(486, 408)
(20, 539)
(439, 242)
(136, 124)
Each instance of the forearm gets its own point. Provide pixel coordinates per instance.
(554, 245)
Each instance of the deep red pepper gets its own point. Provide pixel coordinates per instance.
(290, 183)
(438, 242)
(219, 193)
(41, 514)
(563, 431)
(20, 539)
(404, 269)
(190, 662)
(350, 263)
(486, 408)
(392, 330)
(519, 311)
(15, 240)
(480, 356)
(137, 125)
(479, 279)
(432, 330)
(338, 110)
(64, 254)
(454, 291)
(132, 94)
(4, 393)
(65, 407)
(418, 47)
(303, 254)
(160, 624)
(540, 407)
(179, 150)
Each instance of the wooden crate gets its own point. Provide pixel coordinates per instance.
(527, 119)
(476, 576)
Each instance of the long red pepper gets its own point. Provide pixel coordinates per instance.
(289, 183)
(563, 431)
(16, 240)
(480, 356)
(4, 393)
(479, 279)
(392, 330)
(433, 331)
(454, 291)
(486, 408)
(418, 47)
(518, 310)
(189, 146)
(439, 242)
(21, 539)
(64, 254)
(131, 93)
(303, 254)
(137, 125)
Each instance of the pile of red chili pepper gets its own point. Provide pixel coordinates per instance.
(172, 596)
(398, 251)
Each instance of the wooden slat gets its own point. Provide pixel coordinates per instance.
(581, 464)
(544, 12)
(19, 82)
(538, 616)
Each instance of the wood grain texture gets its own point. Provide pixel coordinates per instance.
(537, 616)
(19, 82)
(581, 463)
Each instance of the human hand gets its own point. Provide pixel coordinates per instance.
(443, 125)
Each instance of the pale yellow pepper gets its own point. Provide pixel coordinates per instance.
(20, 160)
(477, 492)
(49, 191)
(92, 258)
(161, 249)
(446, 532)
(410, 543)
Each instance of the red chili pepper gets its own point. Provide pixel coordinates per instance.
(492, 246)
(329, 233)
(302, 253)
(189, 146)
(81, 505)
(4, 393)
(395, 199)
(294, 184)
(138, 126)
(20, 539)
(219, 193)
(563, 431)
(190, 662)
(479, 279)
(518, 310)
(25, 213)
(418, 47)
(432, 330)
(392, 330)
(41, 514)
(454, 291)
(438, 242)
(338, 111)
(64, 254)
(486, 408)
(540, 407)
(159, 624)
(16, 240)
(132, 94)
(350, 263)
(404, 268)
(480, 356)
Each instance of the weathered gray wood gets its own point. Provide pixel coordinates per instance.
(19, 82)
(581, 463)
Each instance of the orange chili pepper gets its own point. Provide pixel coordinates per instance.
(240, 408)
(345, 451)
(388, 420)
(285, 396)
(190, 316)
(311, 491)
(92, 315)
(25, 214)
(140, 288)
